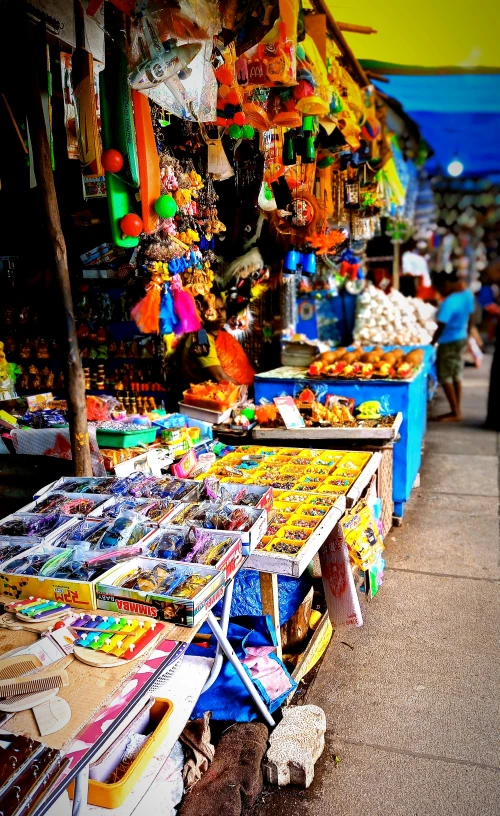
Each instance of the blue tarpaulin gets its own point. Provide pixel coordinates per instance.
(458, 115)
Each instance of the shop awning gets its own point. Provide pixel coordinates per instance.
(430, 34)
(442, 61)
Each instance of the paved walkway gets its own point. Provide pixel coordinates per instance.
(413, 706)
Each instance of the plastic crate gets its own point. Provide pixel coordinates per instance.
(108, 438)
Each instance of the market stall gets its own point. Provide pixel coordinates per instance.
(215, 168)
(407, 397)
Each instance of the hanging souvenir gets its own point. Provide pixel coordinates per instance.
(185, 307)
(300, 220)
(146, 313)
(351, 192)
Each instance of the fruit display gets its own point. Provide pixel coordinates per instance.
(367, 363)
(393, 319)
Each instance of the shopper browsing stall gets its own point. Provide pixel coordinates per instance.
(213, 353)
(454, 324)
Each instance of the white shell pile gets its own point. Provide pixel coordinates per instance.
(393, 319)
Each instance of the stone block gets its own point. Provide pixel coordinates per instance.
(295, 745)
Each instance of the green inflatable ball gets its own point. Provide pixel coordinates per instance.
(165, 206)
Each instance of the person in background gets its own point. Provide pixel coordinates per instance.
(214, 354)
(454, 319)
(415, 278)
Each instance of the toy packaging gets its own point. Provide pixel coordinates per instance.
(161, 590)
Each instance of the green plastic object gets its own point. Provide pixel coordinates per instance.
(123, 116)
(119, 194)
(108, 438)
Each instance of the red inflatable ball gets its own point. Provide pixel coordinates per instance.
(112, 160)
(131, 225)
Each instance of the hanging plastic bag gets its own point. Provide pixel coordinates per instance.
(272, 62)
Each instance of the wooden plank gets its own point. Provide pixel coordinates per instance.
(316, 28)
(270, 604)
(42, 161)
(314, 649)
(294, 566)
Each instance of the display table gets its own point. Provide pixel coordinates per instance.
(111, 702)
(408, 397)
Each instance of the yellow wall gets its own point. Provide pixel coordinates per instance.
(427, 33)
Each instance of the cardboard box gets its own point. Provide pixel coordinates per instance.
(80, 594)
(266, 494)
(250, 538)
(229, 562)
(181, 611)
(32, 506)
(65, 522)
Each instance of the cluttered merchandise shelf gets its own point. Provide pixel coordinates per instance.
(104, 596)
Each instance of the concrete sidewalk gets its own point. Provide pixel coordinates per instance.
(412, 698)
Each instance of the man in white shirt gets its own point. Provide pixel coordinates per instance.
(415, 272)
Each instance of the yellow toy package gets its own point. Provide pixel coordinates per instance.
(362, 536)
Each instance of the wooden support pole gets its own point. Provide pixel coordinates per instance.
(356, 29)
(344, 46)
(45, 181)
(270, 604)
(395, 265)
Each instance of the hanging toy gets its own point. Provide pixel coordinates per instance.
(349, 267)
(165, 206)
(185, 307)
(8, 375)
(131, 225)
(168, 319)
(146, 313)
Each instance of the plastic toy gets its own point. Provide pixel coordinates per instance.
(147, 155)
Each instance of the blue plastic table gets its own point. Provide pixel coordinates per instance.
(408, 396)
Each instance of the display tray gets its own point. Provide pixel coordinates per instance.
(179, 610)
(110, 438)
(212, 417)
(302, 374)
(295, 565)
(385, 433)
(364, 478)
